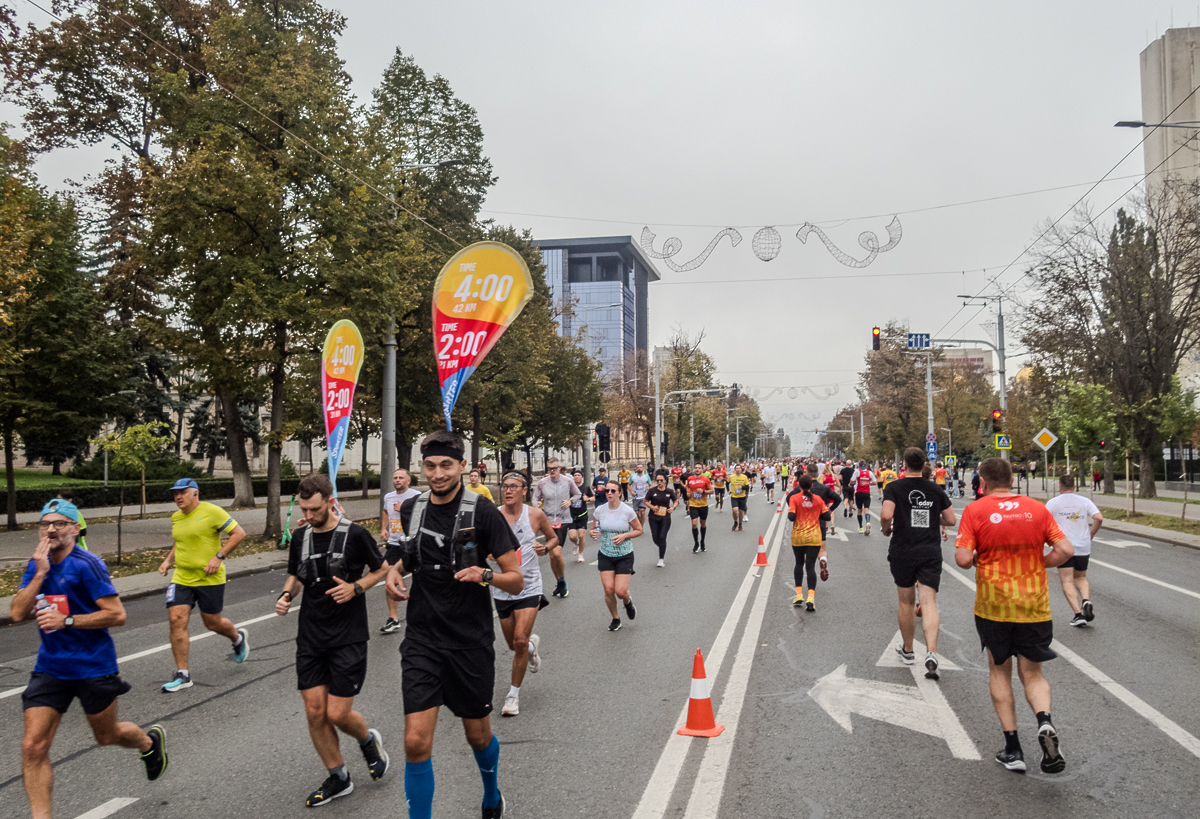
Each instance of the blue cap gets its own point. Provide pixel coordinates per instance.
(61, 507)
(185, 483)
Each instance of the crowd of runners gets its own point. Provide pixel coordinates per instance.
(455, 554)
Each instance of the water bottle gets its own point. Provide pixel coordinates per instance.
(41, 603)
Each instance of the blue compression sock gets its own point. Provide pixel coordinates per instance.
(488, 761)
(418, 789)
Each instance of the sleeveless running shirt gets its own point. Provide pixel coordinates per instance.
(525, 535)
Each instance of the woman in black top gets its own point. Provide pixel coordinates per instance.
(661, 502)
(579, 515)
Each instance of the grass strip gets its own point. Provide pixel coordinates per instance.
(1166, 522)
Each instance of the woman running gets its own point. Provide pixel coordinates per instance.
(805, 510)
(579, 515)
(615, 523)
(661, 502)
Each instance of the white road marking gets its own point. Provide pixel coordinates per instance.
(1144, 709)
(1121, 544)
(12, 692)
(901, 705)
(890, 659)
(657, 795)
(108, 808)
(1147, 579)
(840, 534)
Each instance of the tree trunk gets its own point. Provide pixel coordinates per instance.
(362, 437)
(274, 527)
(212, 461)
(235, 446)
(120, 514)
(10, 478)
(1110, 484)
(1147, 488)
(56, 468)
(475, 425)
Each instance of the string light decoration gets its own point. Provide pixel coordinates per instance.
(766, 243)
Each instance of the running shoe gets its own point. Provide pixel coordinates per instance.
(390, 626)
(860, 530)
(512, 707)
(907, 656)
(1079, 620)
(535, 659)
(560, 590)
(156, 757)
(733, 528)
(1052, 760)
(702, 547)
(824, 569)
(615, 625)
(496, 812)
(661, 564)
(798, 601)
(868, 532)
(1088, 612)
(630, 610)
(1013, 760)
(579, 557)
(177, 683)
(931, 666)
(330, 789)
(811, 605)
(696, 549)
(377, 758)
(242, 650)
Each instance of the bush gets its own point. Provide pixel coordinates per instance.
(287, 469)
(166, 466)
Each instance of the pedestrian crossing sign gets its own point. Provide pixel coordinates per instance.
(951, 460)
(1003, 442)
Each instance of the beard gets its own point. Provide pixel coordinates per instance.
(450, 491)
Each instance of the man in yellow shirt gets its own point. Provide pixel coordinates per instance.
(886, 476)
(738, 483)
(623, 479)
(199, 579)
(476, 485)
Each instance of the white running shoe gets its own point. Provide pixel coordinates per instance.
(512, 707)
(579, 558)
(535, 659)
(661, 564)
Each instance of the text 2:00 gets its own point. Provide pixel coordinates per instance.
(337, 399)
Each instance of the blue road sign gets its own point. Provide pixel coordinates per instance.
(931, 450)
(918, 341)
(1003, 442)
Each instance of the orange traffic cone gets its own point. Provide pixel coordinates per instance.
(700, 720)
(761, 560)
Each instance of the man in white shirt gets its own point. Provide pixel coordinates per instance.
(392, 529)
(1080, 520)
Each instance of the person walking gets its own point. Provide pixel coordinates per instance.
(69, 592)
(1080, 520)
(661, 501)
(390, 523)
(554, 493)
(615, 524)
(199, 580)
(334, 561)
(1004, 537)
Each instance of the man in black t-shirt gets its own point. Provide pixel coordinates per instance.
(448, 657)
(847, 480)
(335, 562)
(914, 511)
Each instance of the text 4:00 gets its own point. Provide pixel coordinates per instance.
(492, 286)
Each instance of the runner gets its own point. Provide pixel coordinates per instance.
(599, 481)
(913, 514)
(698, 490)
(719, 475)
(738, 490)
(199, 579)
(805, 510)
(768, 476)
(1080, 520)
(677, 478)
(447, 656)
(623, 476)
(829, 480)
(784, 471)
(939, 475)
(72, 597)
(886, 476)
(554, 493)
(1004, 537)
(518, 612)
(862, 480)
(475, 484)
(579, 515)
(847, 478)
(641, 485)
(389, 522)
(616, 524)
(661, 501)
(335, 561)
(830, 498)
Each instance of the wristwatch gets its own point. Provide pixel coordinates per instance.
(68, 622)
(357, 590)
(487, 577)
(220, 555)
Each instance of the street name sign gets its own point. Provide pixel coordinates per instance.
(1045, 439)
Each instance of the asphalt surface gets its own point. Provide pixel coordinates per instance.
(596, 732)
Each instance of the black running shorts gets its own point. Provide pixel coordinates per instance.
(210, 599)
(700, 512)
(1030, 640)
(580, 522)
(560, 532)
(719, 491)
(737, 503)
(461, 679)
(862, 500)
(505, 608)
(907, 573)
(616, 565)
(341, 669)
(1077, 562)
(95, 694)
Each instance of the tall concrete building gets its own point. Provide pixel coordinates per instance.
(599, 285)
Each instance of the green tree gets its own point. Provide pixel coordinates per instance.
(133, 448)
(1083, 415)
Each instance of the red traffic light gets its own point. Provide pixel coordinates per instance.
(996, 415)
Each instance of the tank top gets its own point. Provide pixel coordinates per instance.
(529, 560)
(864, 481)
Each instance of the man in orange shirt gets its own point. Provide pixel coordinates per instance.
(1004, 536)
(698, 490)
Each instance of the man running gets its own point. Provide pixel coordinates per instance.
(199, 579)
(677, 479)
(70, 594)
(448, 655)
(738, 490)
(886, 476)
(1080, 520)
(863, 480)
(640, 482)
(913, 513)
(623, 477)
(719, 476)
(784, 471)
(846, 475)
(600, 480)
(554, 493)
(518, 612)
(698, 490)
(389, 522)
(768, 476)
(475, 483)
(335, 561)
(1004, 537)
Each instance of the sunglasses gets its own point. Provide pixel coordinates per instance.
(612, 491)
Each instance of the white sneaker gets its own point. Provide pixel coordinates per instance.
(661, 564)
(579, 558)
(512, 707)
(535, 659)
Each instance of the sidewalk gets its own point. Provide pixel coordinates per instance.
(1152, 507)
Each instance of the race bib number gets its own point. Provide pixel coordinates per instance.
(171, 593)
(920, 519)
(697, 495)
(59, 603)
(396, 526)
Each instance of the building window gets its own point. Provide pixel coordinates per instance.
(581, 270)
(608, 269)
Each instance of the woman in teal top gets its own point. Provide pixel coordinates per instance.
(615, 524)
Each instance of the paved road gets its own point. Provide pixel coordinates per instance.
(596, 733)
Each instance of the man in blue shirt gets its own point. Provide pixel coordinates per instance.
(69, 592)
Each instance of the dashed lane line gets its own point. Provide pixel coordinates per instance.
(108, 808)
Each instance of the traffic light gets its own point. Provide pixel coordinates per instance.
(997, 421)
(1103, 444)
(665, 441)
(595, 445)
(875, 338)
(602, 435)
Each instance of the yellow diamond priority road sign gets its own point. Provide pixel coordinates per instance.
(1045, 439)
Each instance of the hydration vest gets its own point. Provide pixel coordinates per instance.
(464, 551)
(315, 568)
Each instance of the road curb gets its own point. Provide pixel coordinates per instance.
(1165, 535)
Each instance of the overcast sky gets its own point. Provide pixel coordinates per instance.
(605, 117)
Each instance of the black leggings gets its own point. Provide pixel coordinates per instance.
(659, 526)
(806, 556)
